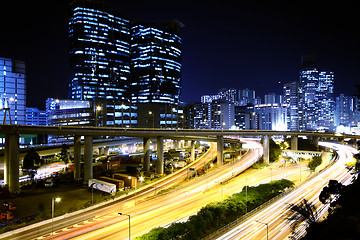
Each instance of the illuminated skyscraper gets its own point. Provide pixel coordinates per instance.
(156, 62)
(100, 61)
(316, 97)
(156, 73)
(99, 52)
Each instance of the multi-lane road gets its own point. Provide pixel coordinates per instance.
(274, 216)
(148, 210)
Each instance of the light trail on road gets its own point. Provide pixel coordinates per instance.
(165, 209)
(179, 204)
(276, 213)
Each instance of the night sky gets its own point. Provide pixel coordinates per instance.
(226, 44)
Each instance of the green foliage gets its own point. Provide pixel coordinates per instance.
(314, 162)
(274, 151)
(63, 156)
(215, 215)
(31, 159)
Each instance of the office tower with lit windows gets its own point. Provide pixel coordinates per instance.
(156, 72)
(99, 47)
(246, 96)
(291, 99)
(12, 91)
(316, 97)
(347, 115)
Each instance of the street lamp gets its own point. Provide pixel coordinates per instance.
(129, 223)
(267, 228)
(151, 113)
(97, 110)
(53, 200)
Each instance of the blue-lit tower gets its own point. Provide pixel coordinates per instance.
(156, 62)
(316, 97)
(99, 47)
(156, 73)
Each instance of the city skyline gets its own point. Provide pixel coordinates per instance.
(252, 46)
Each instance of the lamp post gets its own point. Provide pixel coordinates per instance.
(151, 113)
(129, 223)
(97, 110)
(53, 200)
(267, 228)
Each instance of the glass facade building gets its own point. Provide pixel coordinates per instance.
(156, 62)
(99, 52)
(100, 62)
(12, 91)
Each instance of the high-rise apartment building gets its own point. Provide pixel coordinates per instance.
(12, 91)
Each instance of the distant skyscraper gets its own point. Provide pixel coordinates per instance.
(291, 99)
(229, 94)
(246, 96)
(316, 100)
(156, 62)
(346, 113)
(12, 91)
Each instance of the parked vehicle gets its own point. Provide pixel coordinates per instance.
(102, 186)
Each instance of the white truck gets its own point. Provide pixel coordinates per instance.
(102, 186)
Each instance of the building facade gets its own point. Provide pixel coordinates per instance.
(99, 47)
(347, 116)
(35, 117)
(12, 91)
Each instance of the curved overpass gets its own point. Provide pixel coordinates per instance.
(13, 132)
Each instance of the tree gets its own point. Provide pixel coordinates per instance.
(31, 159)
(303, 211)
(328, 192)
(314, 162)
(64, 154)
(275, 151)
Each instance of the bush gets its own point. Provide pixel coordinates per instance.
(314, 163)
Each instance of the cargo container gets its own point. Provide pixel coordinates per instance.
(102, 186)
(129, 181)
(119, 183)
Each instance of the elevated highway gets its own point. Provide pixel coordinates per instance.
(13, 132)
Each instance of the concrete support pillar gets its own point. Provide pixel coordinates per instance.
(160, 155)
(101, 151)
(316, 141)
(294, 142)
(106, 151)
(266, 149)
(192, 151)
(13, 163)
(77, 157)
(146, 154)
(341, 140)
(6, 160)
(220, 150)
(176, 144)
(88, 158)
